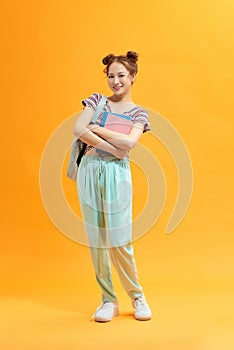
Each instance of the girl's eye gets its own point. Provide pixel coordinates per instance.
(120, 76)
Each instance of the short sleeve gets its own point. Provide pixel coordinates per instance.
(92, 101)
(142, 116)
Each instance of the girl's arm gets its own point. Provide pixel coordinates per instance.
(117, 139)
(82, 131)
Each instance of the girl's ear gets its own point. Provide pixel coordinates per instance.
(133, 77)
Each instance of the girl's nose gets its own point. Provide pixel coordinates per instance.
(116, 80)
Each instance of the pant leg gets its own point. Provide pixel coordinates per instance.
(125, 265)
(101, 262)
(89, 188)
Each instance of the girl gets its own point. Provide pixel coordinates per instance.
(104, 186)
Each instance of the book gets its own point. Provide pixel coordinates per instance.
(116, 122)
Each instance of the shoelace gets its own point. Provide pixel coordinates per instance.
(105, 305)
(140, 303)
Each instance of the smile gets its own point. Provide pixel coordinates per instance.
(117, 87)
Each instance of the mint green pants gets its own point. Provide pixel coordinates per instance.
(104, 188)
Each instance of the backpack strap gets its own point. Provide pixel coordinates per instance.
(99, 108)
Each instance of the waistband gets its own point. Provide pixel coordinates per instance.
(104, 158)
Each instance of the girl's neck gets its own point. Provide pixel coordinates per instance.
(121, 99)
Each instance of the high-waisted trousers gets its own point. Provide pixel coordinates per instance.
(104, 188)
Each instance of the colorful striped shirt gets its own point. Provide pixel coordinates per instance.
(137, 113)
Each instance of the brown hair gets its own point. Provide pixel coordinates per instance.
(129, 61)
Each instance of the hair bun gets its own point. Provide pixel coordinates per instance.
(106, 60)
(132, 56)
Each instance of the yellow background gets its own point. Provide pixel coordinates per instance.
(51, 54)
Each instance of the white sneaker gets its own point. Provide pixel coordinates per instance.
(106, 312)
(142, 310)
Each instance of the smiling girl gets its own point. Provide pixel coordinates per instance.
(104, 186)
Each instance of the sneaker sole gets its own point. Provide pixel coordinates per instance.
(103, 320)
(141, 318)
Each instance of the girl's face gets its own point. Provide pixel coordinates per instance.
(119, 78)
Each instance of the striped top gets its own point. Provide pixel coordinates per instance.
(137, 113)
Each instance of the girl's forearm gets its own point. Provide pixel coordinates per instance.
(116, 139)
(94, 140)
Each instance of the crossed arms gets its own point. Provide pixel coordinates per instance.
(107, 140)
